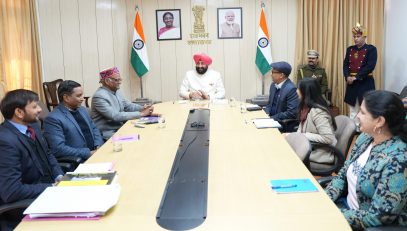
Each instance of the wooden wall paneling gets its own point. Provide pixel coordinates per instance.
(184, 57)
(71, 41)
(89, 48)
(153, 79)
(168, 59)
(121, 45)
(249, 73)
(105, 33)
(50, 39)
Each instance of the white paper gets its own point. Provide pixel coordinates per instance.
(94, 168)
(266, 123)
(74, 201)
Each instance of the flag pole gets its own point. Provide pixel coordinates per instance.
(263, 77)
(141, 80)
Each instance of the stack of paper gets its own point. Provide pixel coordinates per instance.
(86, 201)
(95, 167)
(87, 179)
(266, 123)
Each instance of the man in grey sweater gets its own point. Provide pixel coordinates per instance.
(110, 110)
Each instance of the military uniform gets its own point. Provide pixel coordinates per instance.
(359, 63)
(317, 73)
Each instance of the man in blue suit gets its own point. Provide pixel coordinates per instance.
(26, 167)
(69, 129)
(283, 98)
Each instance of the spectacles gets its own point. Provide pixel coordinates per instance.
(275, 72)
(118, 80)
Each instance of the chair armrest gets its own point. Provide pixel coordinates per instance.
(70, 159)
(387, 228)
(339, 159)
(15, 205)
(324, 181)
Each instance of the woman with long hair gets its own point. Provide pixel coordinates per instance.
(316, 121)
(371, 188)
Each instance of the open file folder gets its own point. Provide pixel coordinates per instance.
(72, 201)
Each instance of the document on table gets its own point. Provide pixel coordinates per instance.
(266, 123)
(94, 167)
(73, 201)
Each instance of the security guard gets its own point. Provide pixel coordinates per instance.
(312, 70)
(358, 65)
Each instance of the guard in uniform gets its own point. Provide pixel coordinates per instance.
(358, 65)
(312, 70)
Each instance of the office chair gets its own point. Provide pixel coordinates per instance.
(346, 130)
(387, 228)
(67, 163)
(14, 207)
(403, 92)
(301, 145)
(51, 94)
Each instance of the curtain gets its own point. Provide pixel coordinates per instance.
(326, 26)
(19, 50)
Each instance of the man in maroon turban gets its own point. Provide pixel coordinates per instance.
(202, 83)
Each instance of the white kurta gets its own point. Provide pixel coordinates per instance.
(210, 83)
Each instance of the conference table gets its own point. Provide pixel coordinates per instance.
(242, 161)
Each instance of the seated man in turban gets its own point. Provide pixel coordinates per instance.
(110, 110)
(202, 83)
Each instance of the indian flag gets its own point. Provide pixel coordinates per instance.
(139, 57)
(263, 53)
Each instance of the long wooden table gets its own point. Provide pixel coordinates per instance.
(242, 161)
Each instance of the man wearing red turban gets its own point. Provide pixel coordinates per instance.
(202, 83)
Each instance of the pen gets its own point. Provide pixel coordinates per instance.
(284, 186)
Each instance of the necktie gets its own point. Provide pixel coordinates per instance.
(31, 132)
(273, 110)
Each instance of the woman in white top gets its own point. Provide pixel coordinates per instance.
(371, 188)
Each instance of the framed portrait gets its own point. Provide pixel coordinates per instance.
(230, 23)
(168, 24)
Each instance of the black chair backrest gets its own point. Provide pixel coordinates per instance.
(50, 93)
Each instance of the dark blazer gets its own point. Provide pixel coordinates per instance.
(287, 104)
(20, 169)
(64, 135)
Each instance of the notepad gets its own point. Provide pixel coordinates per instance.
(87, 179)
(293, 186)
(94, 167)
(266, 123)
(86, 201)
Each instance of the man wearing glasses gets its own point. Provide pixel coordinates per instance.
(110, 110)
(283, 98)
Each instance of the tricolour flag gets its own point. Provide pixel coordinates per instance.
(263, 53)
(139, 57)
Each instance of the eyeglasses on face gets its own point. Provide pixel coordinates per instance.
(275, 72)
(116, 80)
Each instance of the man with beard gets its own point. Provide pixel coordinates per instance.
(229, 28)
(202, 83)
(26, 167)
(313, 70)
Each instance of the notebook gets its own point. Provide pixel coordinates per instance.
(293, 186)
(266, 123)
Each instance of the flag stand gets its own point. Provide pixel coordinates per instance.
(142, 100)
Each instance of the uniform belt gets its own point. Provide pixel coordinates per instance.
(354, 74)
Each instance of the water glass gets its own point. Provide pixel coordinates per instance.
(161, 122)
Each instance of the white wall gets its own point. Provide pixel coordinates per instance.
(395, 46)
(78, 38)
